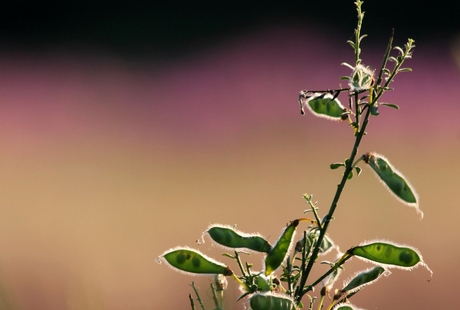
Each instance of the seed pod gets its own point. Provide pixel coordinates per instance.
(280, 250)
(231, 238)
(389, 255)
(362, 279)
(271, 301)
(393, 179)
(262, 283)
(345, 306)
(192, 261)
(323, 105)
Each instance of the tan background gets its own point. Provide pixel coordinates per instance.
(105, 165)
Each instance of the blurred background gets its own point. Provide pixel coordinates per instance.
(126, 128)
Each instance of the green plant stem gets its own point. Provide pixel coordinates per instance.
(358, 32)
(197, 295)
(214, 297)
(331, 270)
(192, 304)
(240, 265)
(385, 58)
(327, 219)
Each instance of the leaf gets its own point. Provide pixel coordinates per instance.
(337, 165)
(395, 182)
(390, 105)
(350, 175)
(362, 37)
(348, 65)
(324, 105)
(192, 261)
(358, 171)
(405, 70)
(400, 50)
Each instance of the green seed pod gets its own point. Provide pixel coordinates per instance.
(231, 238)
(280, 250)
(393, 179)
(192, 261)
(262, 283)
(362, 279)
(388, 254)
(322, 105)
(345, 306)
(271, 301)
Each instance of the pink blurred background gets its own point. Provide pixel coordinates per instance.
(105, 164)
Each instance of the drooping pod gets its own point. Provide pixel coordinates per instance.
(389, 255)
(280, 250)
(362, 279)
(323, 105)
(271, 301)
(232, 238)
(396, 183)
(192, 261)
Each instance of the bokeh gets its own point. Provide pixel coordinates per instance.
(127, 128)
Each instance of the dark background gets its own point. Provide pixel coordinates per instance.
(145, 28)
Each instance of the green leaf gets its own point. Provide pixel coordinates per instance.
(192, 261)
(358, 171)
(232, 238)
(348, 65)
(405, 70)
(390, 105)
(393, 180)
(388, 254)
(337, 165)
(350, 175)
(400, 50)
(351, 43)
(279, 251)
(323, 105)
(362, 37)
